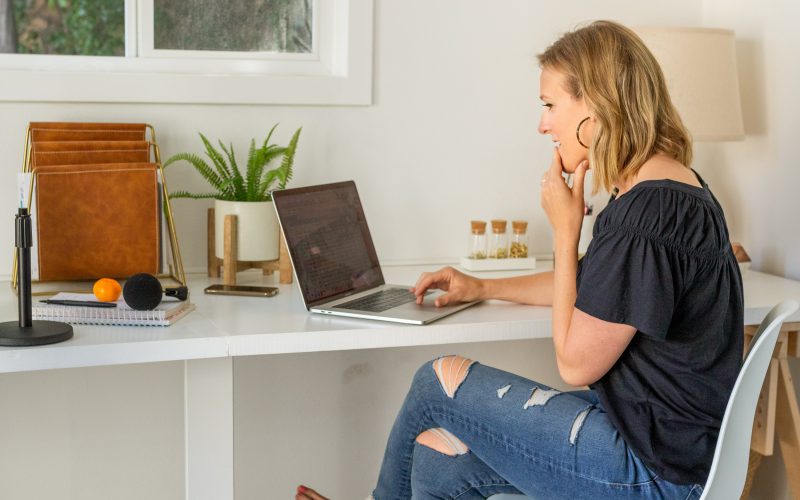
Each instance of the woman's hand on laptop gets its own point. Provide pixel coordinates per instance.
(459, 286)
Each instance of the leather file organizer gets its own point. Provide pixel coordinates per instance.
(98, 199)
(92, 152)
(78, 131)
(97, 221)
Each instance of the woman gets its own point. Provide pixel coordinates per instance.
(650, 319)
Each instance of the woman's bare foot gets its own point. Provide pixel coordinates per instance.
(305, 493)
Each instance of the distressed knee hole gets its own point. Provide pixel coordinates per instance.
(539, 397)
(577, 424)
(451, 371)
(502, 391)
(443, 441)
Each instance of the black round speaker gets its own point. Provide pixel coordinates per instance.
(142, 292)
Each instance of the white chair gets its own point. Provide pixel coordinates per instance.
(729, 467)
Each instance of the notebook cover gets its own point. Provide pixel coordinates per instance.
(166, 313)
(97, 221)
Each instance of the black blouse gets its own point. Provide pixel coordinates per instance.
(661, 260)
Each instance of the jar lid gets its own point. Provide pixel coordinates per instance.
(519, 226)
(478, 226)
(498, 226)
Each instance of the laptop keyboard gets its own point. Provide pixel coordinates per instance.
(380, 301)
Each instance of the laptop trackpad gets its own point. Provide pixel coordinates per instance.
(381, 301)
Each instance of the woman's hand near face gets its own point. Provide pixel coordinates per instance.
(459, 286)
(563, 205)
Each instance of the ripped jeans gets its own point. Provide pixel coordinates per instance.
(501, 433)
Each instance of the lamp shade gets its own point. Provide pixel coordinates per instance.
(699, 65)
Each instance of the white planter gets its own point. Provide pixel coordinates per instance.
(256, 225)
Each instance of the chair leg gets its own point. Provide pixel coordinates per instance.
(788, 428)
(752, 468)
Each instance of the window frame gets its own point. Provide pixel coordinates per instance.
(338, 72)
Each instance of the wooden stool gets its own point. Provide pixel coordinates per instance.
(231, 266)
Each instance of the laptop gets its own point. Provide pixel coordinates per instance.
(335, 262)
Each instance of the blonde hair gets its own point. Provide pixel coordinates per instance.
(611, 68)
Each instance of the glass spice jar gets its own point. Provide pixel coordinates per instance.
(519, 240)
(498, 242)
(477, 240)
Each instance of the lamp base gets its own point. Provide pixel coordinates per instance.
(40, 333)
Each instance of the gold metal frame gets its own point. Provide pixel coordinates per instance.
(175, 268)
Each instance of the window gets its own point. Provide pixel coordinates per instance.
(275, 26)
(63, 27)
(204, 51)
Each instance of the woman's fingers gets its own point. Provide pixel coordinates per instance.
(557, 165)
(438, 280)
(305, 493)
(423, 283)
(553, 178)
(443, 300)
(458, 286)
(578, 179)
(563, 204)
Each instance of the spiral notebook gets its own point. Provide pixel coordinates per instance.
(169, 311)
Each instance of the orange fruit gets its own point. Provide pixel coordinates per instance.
(107, 290)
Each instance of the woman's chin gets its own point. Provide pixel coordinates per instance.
(570, 162)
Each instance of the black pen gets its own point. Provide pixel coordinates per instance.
(83, 303)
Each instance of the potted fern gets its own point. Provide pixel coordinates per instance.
(245, 194)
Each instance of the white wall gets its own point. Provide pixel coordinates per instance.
(451, 135)
(93, 433)
(757, 179)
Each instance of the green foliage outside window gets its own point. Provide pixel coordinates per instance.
(97, 27)
(70, 27)
(235, 25)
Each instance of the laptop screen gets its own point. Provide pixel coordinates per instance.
(329, 241)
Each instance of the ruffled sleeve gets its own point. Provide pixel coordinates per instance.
(629, 277)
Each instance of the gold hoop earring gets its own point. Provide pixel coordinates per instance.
(578, 132)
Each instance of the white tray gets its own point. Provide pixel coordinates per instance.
(497, 264)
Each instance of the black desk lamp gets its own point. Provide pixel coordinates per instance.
(26, 331)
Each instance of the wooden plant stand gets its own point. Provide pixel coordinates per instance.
(230, 266)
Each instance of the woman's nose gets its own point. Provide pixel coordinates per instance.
(543, 127)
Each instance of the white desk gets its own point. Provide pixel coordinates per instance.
(223, 327)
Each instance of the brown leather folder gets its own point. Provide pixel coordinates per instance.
(97, 220)
(71, 131)
(89, 157)
(56, 146)
(141, 127)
